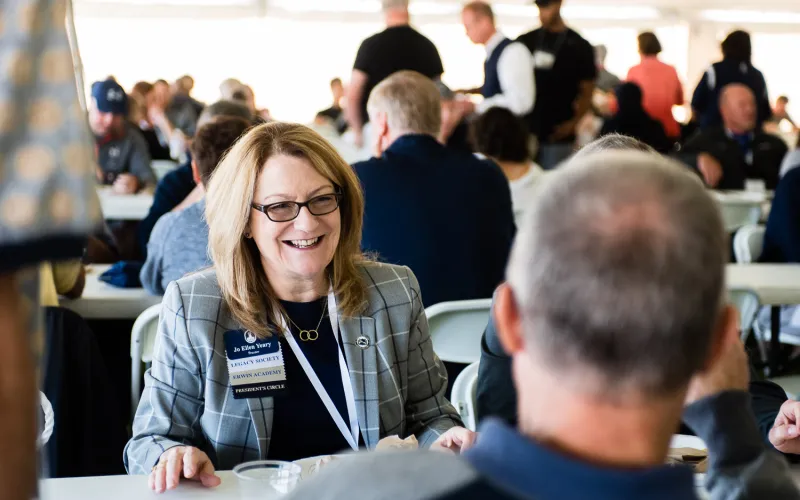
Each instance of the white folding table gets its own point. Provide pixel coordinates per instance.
(133, 488)
(775, 285)
(124, 206)
(103, 301)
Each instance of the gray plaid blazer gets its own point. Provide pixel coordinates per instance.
(398, 381)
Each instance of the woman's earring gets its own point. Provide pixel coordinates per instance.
(247, 234)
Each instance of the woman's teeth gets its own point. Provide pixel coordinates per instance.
(304, 243)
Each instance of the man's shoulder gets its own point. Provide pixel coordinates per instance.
(577, 39)
(365, 167)
(529, 37)
(135, 136)
(389, 475)
(164, 226)
(772, 140)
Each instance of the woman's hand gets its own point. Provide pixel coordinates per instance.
(456, 440)
(186, 461)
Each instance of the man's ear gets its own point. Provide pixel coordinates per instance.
(381, 130)
(508, 320)
(196, 174)
(726, 330)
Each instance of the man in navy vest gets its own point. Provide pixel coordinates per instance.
(508, 72)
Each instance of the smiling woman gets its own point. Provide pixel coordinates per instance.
(321, 349)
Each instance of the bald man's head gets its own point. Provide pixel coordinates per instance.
(737, 105)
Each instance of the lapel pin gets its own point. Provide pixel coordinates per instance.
(362, 342)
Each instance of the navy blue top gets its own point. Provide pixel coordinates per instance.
(705, 99)
(491, 80)
(170, 191)
(522, 468)
(301, 425)
(782, 237)
(444, 213)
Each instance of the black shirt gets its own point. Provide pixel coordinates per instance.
(301, 425)
(395, 49)
(558, 87)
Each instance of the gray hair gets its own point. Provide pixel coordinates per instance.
(394, 4)
(619, 273)
(613, 142)
(600, 53)
(223, 108)
(411, 101)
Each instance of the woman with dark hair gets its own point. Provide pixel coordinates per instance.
(661, 87)
(502, 137)
(735, 67)
(632, 120)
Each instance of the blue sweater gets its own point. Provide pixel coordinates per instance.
(782, 237)
(170, 192)
(444, 213)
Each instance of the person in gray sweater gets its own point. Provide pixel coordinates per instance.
(615, 317)
(179, 242)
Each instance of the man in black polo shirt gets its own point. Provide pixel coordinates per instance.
(565, 72)
(398, 47)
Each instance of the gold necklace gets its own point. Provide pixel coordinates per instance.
(309, 335)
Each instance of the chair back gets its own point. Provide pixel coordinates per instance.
(457, 327)
(748, 243)
(747, 303)
(739, 208)
(143, 339)
(464, 396)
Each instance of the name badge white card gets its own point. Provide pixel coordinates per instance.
(543, 60)
(255, 366)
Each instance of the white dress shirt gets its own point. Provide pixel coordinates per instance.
(515, 71)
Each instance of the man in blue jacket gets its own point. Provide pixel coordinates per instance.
(444, 213)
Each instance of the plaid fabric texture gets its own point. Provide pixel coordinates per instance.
(398, 381)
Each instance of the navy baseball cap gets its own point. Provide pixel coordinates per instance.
(110, 97)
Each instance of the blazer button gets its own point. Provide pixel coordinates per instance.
(362, 342)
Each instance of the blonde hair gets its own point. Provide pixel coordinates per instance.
(237, 262)
(411, 101)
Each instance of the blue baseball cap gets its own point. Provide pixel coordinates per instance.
(110, 97)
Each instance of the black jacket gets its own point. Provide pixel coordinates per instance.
(768, 152)
(632, 120)
(89, 433)
(498, 398)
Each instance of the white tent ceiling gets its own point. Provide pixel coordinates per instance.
(748, 10)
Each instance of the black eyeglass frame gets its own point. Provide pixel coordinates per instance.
(307, 204)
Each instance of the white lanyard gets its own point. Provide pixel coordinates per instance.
(350, 435)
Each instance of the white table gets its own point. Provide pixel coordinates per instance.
(740, 208)
(133, 488)
(775, 285)
(124, 206)
(103, 301)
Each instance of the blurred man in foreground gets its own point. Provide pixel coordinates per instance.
(614, 315)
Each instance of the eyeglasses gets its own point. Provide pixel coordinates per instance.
(284, 211)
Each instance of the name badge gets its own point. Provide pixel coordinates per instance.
(543, 60)
(255, 366)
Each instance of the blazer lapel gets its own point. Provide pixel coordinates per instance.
(261, 418)
(360, 351)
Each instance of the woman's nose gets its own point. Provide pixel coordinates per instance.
(305, 220)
